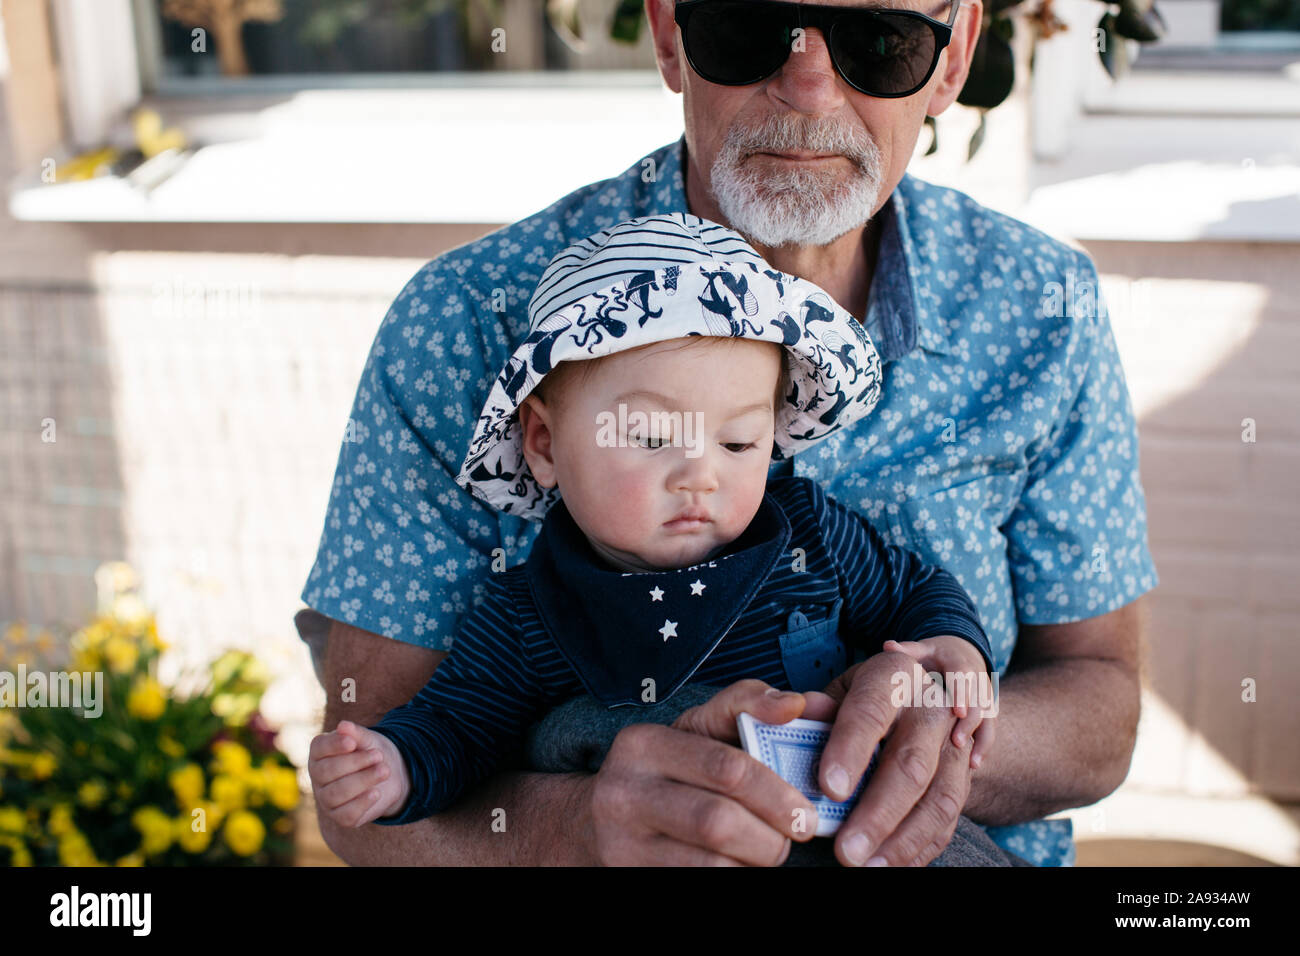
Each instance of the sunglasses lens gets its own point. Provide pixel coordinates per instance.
(736, 43)
(883, 54)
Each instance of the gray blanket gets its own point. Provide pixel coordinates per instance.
(576, 736)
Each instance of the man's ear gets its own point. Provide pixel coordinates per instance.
(954, 65)
(663, 29)
(535, 425)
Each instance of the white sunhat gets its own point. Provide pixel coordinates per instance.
(657, 278)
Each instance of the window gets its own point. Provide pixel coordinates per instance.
(1260, 15)
(359, 40)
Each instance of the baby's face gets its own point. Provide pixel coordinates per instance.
(695, 434)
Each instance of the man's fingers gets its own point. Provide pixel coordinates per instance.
(819, 706)
(932, 821)
(907, 765)
(716, 717)
(865, 714)
(713, 824)
(669, 852)
(710, 765)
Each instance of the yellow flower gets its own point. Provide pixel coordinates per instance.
(92, 793)
(244, 833)
(188, 838)
(151, 637)
(43, 766)
(187, 783)
(124, 790)
(75, 850)
(147, 699)
(170, 746)
(60, 821)
(283, 789)
(12, 820)
(228, 793)
(156, 829)
(121, 655)
(130, 610)
(232, 758)
(45, 642)
(93, 636)
(131, 859)
(21, 855)
(16, 634)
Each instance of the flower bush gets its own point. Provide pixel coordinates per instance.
(160, 778)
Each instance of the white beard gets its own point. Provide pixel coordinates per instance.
(800, 204)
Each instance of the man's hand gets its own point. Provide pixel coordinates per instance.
(908, 810)
(684, 795)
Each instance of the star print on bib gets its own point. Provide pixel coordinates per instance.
(620, 629)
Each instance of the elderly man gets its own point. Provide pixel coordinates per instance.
(1004, 449)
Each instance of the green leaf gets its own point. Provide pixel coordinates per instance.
(992, 72)
(626, 25)
(1114, 51)
(1144, 25)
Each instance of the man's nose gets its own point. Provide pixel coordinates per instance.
(808, 81)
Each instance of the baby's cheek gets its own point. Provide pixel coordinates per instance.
(630, 504)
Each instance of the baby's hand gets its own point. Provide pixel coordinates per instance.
(357, 775)
(951, 654)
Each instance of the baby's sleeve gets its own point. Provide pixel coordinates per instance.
(889, 592)
(472, 713)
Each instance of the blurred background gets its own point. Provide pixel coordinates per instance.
(189, 295)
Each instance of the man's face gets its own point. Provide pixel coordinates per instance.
(623, 484)
(734, 133)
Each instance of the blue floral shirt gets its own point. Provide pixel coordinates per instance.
(1004, 447)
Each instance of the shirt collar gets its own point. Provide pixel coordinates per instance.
(620, 629)
(896, 319)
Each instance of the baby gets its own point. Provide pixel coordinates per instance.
(667, 366)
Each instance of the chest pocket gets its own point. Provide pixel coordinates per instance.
(811, 649)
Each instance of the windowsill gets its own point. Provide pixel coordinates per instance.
(499, 151)
(496, 151)
(1188, 156)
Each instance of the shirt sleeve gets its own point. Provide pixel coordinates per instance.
(405, 550)
(889, 592)
(472, 713)
(1077, 538)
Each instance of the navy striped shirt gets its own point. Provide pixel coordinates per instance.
(807, 576)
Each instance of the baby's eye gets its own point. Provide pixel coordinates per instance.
(738, 447)
(649, 442)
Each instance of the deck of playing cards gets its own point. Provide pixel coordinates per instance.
(793, 751)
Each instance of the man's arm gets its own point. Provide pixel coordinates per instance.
(1067, 718)
(680, 795)
(388, 673)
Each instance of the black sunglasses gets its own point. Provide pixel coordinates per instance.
(886, 53)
